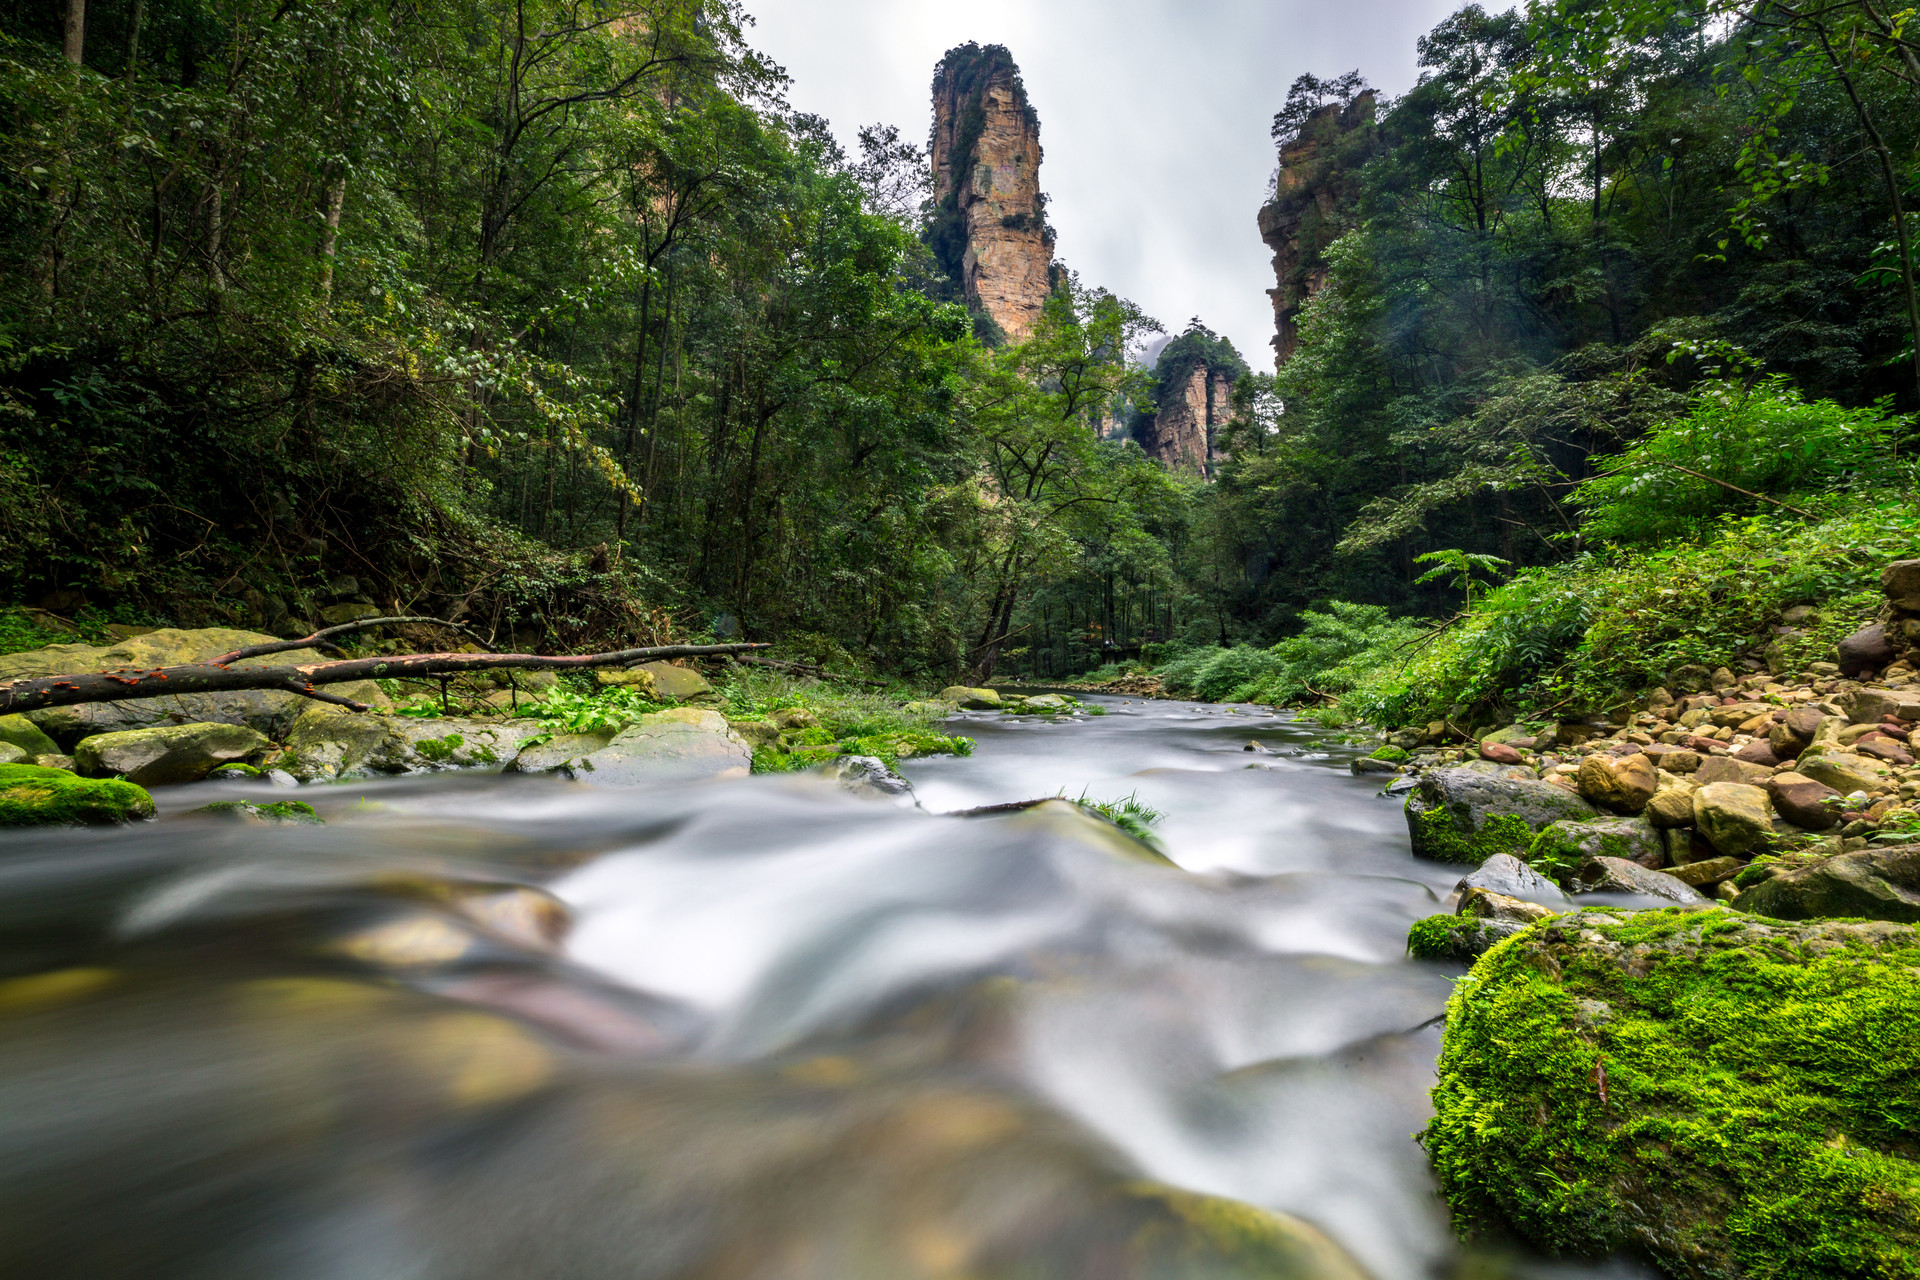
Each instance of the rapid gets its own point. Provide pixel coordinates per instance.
(482, 1026)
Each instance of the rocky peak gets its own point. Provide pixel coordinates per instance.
(989, 223)
(1321, 150)
(1193, 401)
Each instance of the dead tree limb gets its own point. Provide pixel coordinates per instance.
(322, 638)
(36, 693)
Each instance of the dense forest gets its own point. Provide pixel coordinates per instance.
(556, 318)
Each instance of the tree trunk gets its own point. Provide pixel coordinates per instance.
(75, 44)
(330, 237)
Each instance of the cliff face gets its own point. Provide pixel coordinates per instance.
(989, 226)
(1196, 373)
(1311, 206)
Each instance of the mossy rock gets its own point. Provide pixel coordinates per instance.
(289, 811)
(1391, 754)
(1461, 938)
(31, 796)
(1469, 815)
(1732, 1096)
(26, 735)
(1562, 847)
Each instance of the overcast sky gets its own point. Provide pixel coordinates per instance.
(1153, 114)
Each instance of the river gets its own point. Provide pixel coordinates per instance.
(496, 1027)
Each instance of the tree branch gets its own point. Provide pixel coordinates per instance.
(319, 639)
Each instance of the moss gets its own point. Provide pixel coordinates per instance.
(1439, 937)
(1737, 1097)
(1391, 753)
(440, 750)
(296, 811)
(236, 769)
(34, 797)
(1440, 839)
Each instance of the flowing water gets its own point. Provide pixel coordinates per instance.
(753, 1030)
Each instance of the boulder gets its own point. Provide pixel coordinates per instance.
(1465, 815)
(560, 753)
(1617, 875)
(1674, 759)
(1875, 883)
(1048, 702)
(1509, 877)
(1483, 904)
(1569, 844)
(971, 699)
(1692, 678)
(1803, 801)
(1758, 753)
(1731, 769)
(267, 711)
(1663, 1083)
(682, 744)
(1499, 752)
(1868, 649)
(1885, 750)
(167, 754)
(1846, 772)
(327, 744)
(1618, 784)
(1514, 735)
(10, 754)
(677, 683)
(1365, 764)
(868, 777)
(26, 735)
(1791, 735)
(1671, 807)
(638, 679)
(1738, 714)
(1734, 818)
(1900, 581)
(1706, 872)
(1463, 939)
(1871, 706)
(929, 707)
(267, 814)
(31, 796)
(799, 719)
(758, 733)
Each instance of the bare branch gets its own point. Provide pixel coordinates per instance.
(319, 639)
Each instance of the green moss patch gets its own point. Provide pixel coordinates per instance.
(293, 811)
(1390, 753)
(34, 797)
(1439, 837)
(1737, 1097)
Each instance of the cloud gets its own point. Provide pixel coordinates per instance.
(1153, 115)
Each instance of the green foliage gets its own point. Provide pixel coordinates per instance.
(1334, 651)
(1129, 813)
(1443, 937)
(1768, 440)
(1735, 1099)
(1464, 569)
(562, 711)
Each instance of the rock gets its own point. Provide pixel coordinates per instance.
(1875, 883)
(1499, 752)
(1671, 807)
(1617, 875)
(1465, 815)
(272, 813)
(1675, 759)
(1783, 1114)
(267, 711)
(1871, 706)
(10, 754)
(639, 679)
(167, 754)
(1739, 713)
(971, 699)
(1483, 904)
(26, 735)
(1731, 769)
(1732, 817)
(682, 744)
(1758, 752)
(926, 707)
(1365, 764)
(1569, 844)
(1459, 938)
(798, 719)
(758, 733)
(1846, 772)
(1882, 749)
(1692, 678)
(327, 744)
(1618, 784)
(868, 777)
(1868, 649)
(1508, 876)
(1900, 581)
(1803, 801)
(1788, 737)
(334, 615)
(1705, 872)
(1048, 702)
(1514, 735)
(32, 796)
(1724, 679)
(560, 753)
(677, 683)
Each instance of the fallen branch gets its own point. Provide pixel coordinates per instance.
(321, 639)
(39, 692)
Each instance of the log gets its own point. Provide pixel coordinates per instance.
(39, 692)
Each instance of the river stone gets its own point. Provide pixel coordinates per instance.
(638, 679)
(10, 754)
(1464, 815)
(449, 742)
(266, 711)
(31, 796)
(1508, 876)
(1846, 772)
(1048, 702)
(1617, 875)
(680, 744)
(678, 683)
(1875, 883)
(1747, 1073)
(328, 743)
(868, 777)
(269, 813)
(1802, 801)
(1617, 784)
(1705, 872)
(167, 754)
(1871, 706)
(971, 699)
(1729, 769)
(1481, 904)
(1900, 583)
(1569, 844)
(1459, 938)
(1671, 807)
(758, 733)
(799, 719)
(1734, 818)
(1868, 649)
(1884, 750)
(560, 754)
(26, 735)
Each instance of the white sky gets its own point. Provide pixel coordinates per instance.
(1154, 116)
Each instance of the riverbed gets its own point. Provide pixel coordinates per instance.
(489, 1026)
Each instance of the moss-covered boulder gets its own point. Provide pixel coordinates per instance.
(167, 754)
(971, 699)
(25, 734)
(1562, 846)
(31, 796)
(264, 813)
(1467, 815)
(1735, 1097)
(1879, 884)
